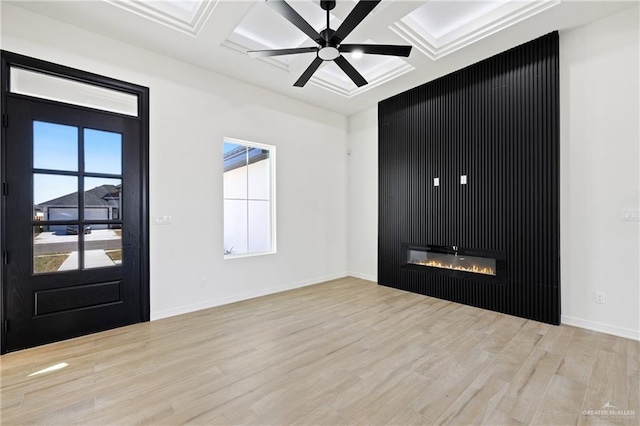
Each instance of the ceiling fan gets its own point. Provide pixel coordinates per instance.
(329, 42)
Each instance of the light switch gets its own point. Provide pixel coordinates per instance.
(463, 179)
(162, 220)
(436, 181)
(631, 215)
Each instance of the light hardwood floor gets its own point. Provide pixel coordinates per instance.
(342, 352)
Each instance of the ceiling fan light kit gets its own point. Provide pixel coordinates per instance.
(329, 42)
(328, 53)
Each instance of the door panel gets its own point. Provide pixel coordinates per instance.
(70, 270)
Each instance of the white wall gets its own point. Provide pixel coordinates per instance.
(600, 176)
(191, 111)
(363, 195)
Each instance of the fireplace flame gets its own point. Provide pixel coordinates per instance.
(473, 268)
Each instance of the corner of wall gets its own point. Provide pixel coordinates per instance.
(362, 190)
(600, 163)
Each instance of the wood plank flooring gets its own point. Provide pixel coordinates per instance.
(343, 352)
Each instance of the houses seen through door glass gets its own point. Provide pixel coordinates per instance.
(55, 197)
(67, 159)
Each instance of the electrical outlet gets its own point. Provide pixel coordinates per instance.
(599, 297)
(463, 179)
(202, 283)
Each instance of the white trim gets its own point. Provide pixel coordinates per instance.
(240, 256)
(393, 72)
(250, 143)
(191, 24)
(627, 333)
(366, 277)
(239, 297)
(492, 22)
(243, 50)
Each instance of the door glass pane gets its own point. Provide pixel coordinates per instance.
(53, 249)
(102, 152)
(55, 146)
(55, 197)
(60, 89)
(102, 246)
(102, 200)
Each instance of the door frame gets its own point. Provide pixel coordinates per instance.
(10, 59)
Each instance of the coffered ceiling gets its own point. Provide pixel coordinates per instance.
(446, 35)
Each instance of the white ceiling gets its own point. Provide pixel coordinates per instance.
(446, 34)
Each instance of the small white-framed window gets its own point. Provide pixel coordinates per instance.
(249, 198)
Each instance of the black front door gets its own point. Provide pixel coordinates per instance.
(73, 222)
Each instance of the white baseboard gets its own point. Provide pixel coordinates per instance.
(239, 297)
(627, 333)
(364, 276)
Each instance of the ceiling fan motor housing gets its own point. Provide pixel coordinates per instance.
(327, 34)
(327, 4)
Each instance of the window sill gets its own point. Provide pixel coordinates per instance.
(240, 256)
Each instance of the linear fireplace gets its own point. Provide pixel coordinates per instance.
(454, 259)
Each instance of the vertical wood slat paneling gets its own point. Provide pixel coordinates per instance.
(496, 121)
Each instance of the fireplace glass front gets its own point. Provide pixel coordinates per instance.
(451, 260)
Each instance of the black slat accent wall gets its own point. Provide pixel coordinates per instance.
(497, 122)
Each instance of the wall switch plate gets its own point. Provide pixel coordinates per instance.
(463, 179)
(598, 297)
(162, 220)
(630, 214)
(436, 181)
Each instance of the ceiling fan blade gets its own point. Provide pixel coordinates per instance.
(288, 13)
(377, 49)
(353, 74)
(308, 73)
(280, 52)
(362, 9)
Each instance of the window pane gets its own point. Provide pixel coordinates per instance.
(259, 226)
(102, 199)
(102, 152)
(248, 188)
(235, 171)
(235, 226)
(55, 146)
(102, 246)
(55, 197)
(54, 250)
(234, 155)
(72, 92)
(259, 178)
